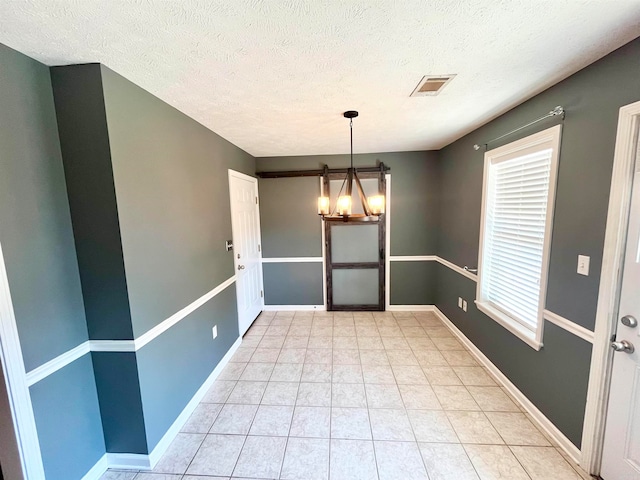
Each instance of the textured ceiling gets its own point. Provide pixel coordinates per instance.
(273, 77)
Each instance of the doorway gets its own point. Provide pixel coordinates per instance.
(611, 434)
(621, 452)
(247, 256)
(355, 252)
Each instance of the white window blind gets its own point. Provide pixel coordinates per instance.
(515, 219)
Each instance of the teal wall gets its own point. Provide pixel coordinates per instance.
(291, 228)
(556, 377)
(152, 183)
(38, 247)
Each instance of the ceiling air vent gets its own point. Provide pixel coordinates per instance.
(431, 85)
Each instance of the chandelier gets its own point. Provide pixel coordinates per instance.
(372, 206)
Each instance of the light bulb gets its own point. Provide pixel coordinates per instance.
(323, 205)
(344, 205)
(376, 204)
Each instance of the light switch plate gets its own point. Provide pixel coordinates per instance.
(459, 302)
(583, 265)
(464, 305)
(214, 330)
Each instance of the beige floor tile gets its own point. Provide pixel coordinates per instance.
(395, 343)
(219, 391)
(234, 419)
(261, 457)
(311, 422)
(299, 330)
(344, 331)
(516, 429)
(439, 332)
(459, 358)
(295, 342)
(430, 358)
(242, 355)
(409, 375)
(348, 395)
(432, 426)
(306, 458)
(419, 397)
(157, 476)
(455, 398)
(314, 394)
(292, 355)
(257, 372)
(180, 453)
(202, 418)
(322, 330)
(449, 343)
(279, 330)
(118, 475)
(367, 331)
(319, 355)
(232, 371)
(474, 427)
(321, 343)
(350, 423)
(492, 399)
(477, 376)
(280, 393)
(399, 460)
(271, 341)
(544, 463)
(286, 372)
(390, 424)
(316, 373)
(247, 393)
(346, 357)
(383, 396)
(345, 343)
(441, 376)
(447, 462)
(352, 460)
(373, 357)
(495, 462)
(390, 329)
(347, 374)
(378, 374)
(272, 420)
(421, 343)
(370, 343)
(401, 358)
(217, 455)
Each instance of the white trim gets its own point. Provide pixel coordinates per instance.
(387, 241)
(610, 281)
(410, 308)
(179, 422)
(128, 461)
(98, 469)
(17, 389)
(549, 138)
(414, 258)
(294, 308)
(324, 252)
(57, 363)
(292, 260)
(242, 176)
(542, 421)
(176, 317)
(569, 326)
(456, 268)
(136, 461)
(66, 358)
(112, 345)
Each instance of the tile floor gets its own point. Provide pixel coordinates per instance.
(357, 396)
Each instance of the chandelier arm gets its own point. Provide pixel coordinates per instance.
(363, 198)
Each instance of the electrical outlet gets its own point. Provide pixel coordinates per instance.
(214, 330)
(459, 302)
(464, 305)
(583, 265)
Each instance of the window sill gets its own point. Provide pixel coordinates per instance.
(524, 334)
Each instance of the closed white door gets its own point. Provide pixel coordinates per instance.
(621, 454)
(245, 221)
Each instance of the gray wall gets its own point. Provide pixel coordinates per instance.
(37, 241)
(556, 377)
(160, 192)
(414, 222)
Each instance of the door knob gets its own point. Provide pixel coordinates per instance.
(629, 321)
(240, 267)
(623, 346)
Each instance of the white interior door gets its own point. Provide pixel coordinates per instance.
(245, 221)
(621, 454)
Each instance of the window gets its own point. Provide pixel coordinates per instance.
(517, 210)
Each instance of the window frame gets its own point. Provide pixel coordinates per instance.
(549, 138)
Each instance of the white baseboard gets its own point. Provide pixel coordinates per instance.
(97, 470)
(136, 461)
(290, 308)
(410, 308)
(128, 461)
(542, 421)
(179, 422)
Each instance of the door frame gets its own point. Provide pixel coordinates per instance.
(254, 180)
(610, 284)
(16, 384)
